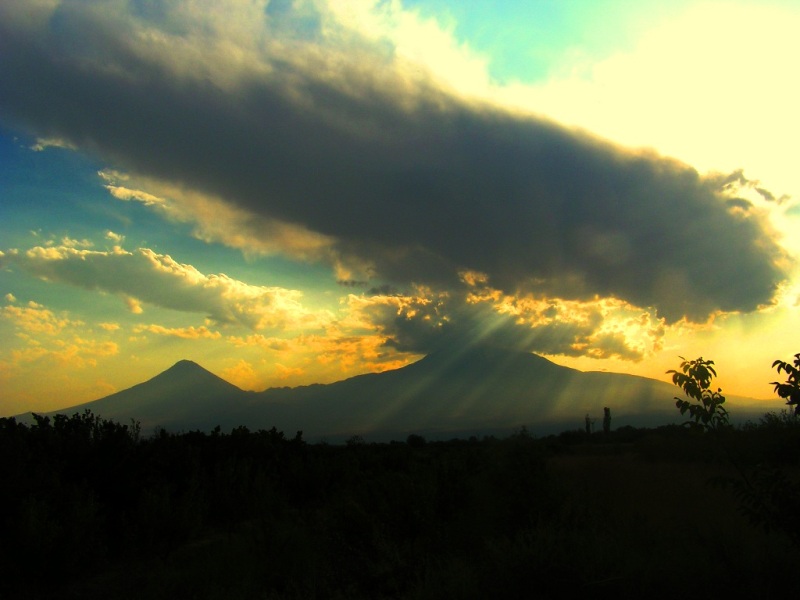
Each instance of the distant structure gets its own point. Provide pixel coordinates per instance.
(606, 420)
(589, 424)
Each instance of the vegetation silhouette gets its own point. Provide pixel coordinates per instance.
(789, 389)
(766, 485)
(92, 508)
(694, 378)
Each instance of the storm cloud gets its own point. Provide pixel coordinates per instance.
(300, 122)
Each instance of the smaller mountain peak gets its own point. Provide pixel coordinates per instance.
(186, 363)
(185, 366)
(189, 371)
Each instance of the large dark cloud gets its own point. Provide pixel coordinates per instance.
(419, 181)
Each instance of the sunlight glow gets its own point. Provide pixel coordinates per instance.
(125, 261)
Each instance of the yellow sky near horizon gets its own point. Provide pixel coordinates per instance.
(185, 226)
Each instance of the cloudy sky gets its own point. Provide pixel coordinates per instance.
(298, 191)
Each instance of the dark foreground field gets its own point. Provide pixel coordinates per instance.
(90, 510)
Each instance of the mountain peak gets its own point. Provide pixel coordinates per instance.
(187, 374)
(185, 363)
(185, 370)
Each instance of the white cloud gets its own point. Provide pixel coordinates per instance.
(215, 220)
(74, 353)
(320, 358)
(243, 375)
(44, 337)
(115, 237)
(144, 276)
(42, 144)
(35, 318)
(69, 242)
(123, 193)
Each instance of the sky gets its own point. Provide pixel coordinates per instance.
(295, 192)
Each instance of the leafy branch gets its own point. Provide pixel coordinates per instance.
(790, 389)
(694, 378)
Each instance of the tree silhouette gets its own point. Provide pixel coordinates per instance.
(694, 379)
(790, 389)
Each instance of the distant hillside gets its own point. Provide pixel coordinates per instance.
(185, 396)
(477, 390)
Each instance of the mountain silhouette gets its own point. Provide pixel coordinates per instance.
(185, 396)
(476, 390)
(471, 390)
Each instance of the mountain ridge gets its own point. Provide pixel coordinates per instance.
(466, 390)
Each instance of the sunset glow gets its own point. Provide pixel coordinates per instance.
(299, 192)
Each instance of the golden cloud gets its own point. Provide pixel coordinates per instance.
(144, 276)
(186, 333)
